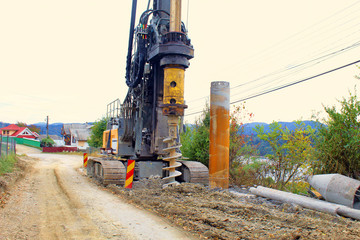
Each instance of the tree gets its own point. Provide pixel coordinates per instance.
(241, 151)
(32, 127)
(96, 137)
(338, 141)
(195, 140)
(238, 140)
(291, 151)
(47, 142)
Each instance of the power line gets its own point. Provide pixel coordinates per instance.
(294, 83)
(328, 52)
(197, 99)
(284, 86)
(291, 70)
(342, 17)
(296, 69)
(273, 47)
(323, 55)
(354, 45)
(339, 21)
(194, 113)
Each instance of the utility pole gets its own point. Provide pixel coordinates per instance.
(47, 126)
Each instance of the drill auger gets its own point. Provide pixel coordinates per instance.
(146, 123)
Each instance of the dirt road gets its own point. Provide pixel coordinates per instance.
(54, 201)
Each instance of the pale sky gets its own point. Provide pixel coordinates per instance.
(66, 59)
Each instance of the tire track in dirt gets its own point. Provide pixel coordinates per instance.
(62, 216)
(72, 200)
(54, 201)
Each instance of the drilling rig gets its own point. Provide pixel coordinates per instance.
(145, 126)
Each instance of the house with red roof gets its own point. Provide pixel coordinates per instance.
(76, 134)
(19, 132)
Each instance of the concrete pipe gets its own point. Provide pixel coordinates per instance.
(337, 188)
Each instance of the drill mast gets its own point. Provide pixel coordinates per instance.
(147, 125)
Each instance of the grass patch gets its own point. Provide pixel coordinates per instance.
(298, 187)
(7, 163)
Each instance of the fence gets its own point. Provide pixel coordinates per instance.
(91, 150)
(7, 146)
(59, 149)
(28, 142)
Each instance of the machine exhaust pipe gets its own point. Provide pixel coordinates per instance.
(337, 188)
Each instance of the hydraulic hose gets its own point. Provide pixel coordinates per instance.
(131, 38)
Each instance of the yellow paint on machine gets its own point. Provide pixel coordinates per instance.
(174, 85)
(113, 139)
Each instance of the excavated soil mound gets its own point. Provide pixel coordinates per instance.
(218, 214)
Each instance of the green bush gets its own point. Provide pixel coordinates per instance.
(297, 187)
(291, 151)
(47, 142)
(338, 141)
(7, 163)
(195, 140)
(96, 137)
(250, 172)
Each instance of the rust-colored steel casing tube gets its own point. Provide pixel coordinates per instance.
(219, 135)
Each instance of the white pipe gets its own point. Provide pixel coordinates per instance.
(307, 202)
(336, 188)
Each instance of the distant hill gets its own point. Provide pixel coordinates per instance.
(54, 128)
(2, 124)
(249, 128)
(262, 146)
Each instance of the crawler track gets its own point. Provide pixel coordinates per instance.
(113, 171)
(194, 172)
(107, 171)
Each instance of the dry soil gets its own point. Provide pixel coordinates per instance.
(55, 200)
(218, 214)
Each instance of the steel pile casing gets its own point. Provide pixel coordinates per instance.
(219, 135)
(337, 188)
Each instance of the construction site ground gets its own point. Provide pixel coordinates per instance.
(49, 197)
